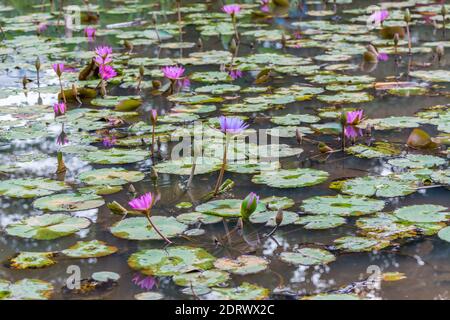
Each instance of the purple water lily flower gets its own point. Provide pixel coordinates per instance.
(62, 139)
(232, 125)
(354, 117)
(109, 141)
(235, 74)
(352, 132)
(146, 283)
(249, 205)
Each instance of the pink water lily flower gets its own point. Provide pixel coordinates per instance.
(382, 56)
(378, 17)
(153, 116)
(59, 109)
(265, 6)
(42, 27)
(231, 9)
(143, 203)
(103, 55)
(351, 132)
(354, 117)
(232, 125)
(173, 73)
(107, 72)
(58, 68)
(89, 32)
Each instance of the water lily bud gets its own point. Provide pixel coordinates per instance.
(153, 116)
(249, 205)
(283, 40)
(156, 84)
(407, 16)
(440, 51)
(396, 39)
(443, 10)
(279, 217)
(154, 18)
(200, 43)
(141, 71)
(131, 189)
(233, 45)
(343, 118)
(37, 64)
(298, 136)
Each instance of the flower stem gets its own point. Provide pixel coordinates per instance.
(147, 214)
(233, 18)
(222, 169)
(62, 90)
(153, 140)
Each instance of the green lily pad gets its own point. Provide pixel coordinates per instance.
(25, 289)
(89, 249)
(320, 222)
(242, 265)
(227, 208)
(386, 226)
(210, 77)
(294, 119)
(139, 228)
(342, 205)
(32, 260)
(307, 257)
(268, 218)
(377, 150)
(183, 166)
(196, 217)
(218, 89)
(441, 176)
(110, 176)
(207, 278)
(432, 75)
(245, 291)
(150, 295)
(384, 187)
(105, 276)
(250, 167)
(346, 97)
(69, 202)
(47, 226)
(30, 188)
(360, 244)
(417, 161)
(275, 203)
(422, 213)
(172, 261)
(115, 156)
(444, 234)
(291, 178)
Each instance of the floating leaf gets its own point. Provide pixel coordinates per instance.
(197, 217)
(291, 178)
(69, 202)
(342, 205)
(269, 217)
(227, 208)
(385, 187)
(110, 176)
(47, 226)
(307, 257)
(208, 278)
(89, 249)
(422, 213)
(172, 261)
(25, 289)
(359, 244)
(417, 161)
(32, 260)
(139, 228)
(242, 265)
(320, 222)
(245, 291)
(31, 188)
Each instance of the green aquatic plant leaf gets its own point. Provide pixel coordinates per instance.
(308, 257)
(291, 178)
(139, 228)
